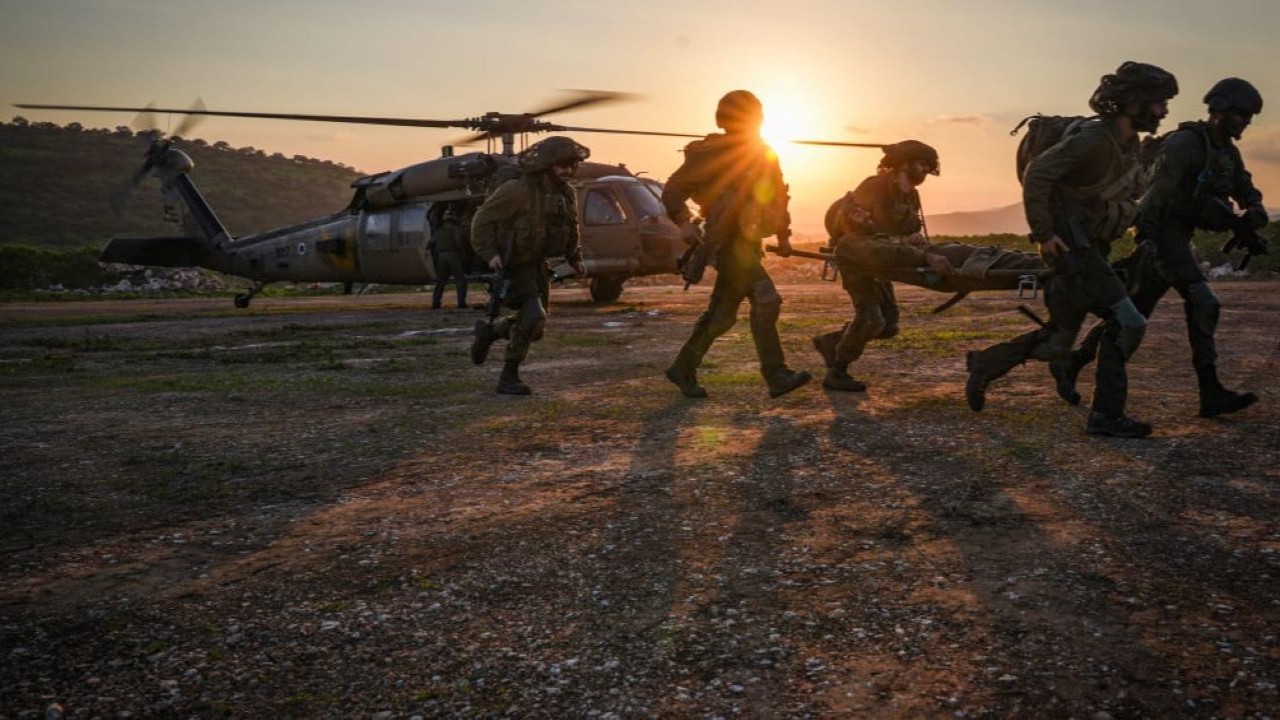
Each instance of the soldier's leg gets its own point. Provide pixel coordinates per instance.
(528, 295)
(868, 318)
(889, 310)
(722, 312)
(1123, 329)
(766, 306)
(1203, 310)
(1145, 286)
(437, 290)
(827, 343)
(1050, 343)
(460, 277)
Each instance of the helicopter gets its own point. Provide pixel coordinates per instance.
(383, 234)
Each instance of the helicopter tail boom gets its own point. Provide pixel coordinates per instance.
(182, 251)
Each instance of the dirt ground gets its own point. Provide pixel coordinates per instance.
(319, 508)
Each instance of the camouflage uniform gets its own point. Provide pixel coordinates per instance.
(867, 227)
(1197, 164)
(735, 179)
(449, 242)
(524, 222)
(1098, 177)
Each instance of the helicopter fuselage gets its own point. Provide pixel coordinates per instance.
(384, 235)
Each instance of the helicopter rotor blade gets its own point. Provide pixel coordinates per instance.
(353, 119)
(190, 122)
(585, 98)
(836, 143)
(570, 128)
(145, 121)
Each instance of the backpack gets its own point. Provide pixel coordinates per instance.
(1043, 132)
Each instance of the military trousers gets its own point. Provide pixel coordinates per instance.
(449, 268)
(528, 294)
(875, 315)
(1082, 283)
(740, 275)
(1149, 278)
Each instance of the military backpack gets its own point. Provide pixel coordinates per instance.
(1043, 132)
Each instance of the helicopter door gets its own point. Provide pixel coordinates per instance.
(389, 244)
(610, 237)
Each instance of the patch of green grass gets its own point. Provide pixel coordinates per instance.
(727, 379)
(939, 343)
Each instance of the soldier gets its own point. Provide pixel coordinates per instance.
(1198, 170)
(878, 223)
(1080, 195)
(735, 179)
(520, 225)
(449, 242)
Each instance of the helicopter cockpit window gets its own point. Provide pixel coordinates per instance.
(642, 200)
(601, 208)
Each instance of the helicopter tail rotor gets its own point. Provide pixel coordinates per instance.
(145, 124)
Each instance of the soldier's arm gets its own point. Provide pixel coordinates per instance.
(677, 190)
(782, 202)
(859, 215)
(1046, 171)
(499, 209)
(573, 251)
(1176, 161)
(1247, 196)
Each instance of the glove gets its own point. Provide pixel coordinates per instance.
(1256, 216)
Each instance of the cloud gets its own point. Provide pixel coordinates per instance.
(960, 120)
(859, 130)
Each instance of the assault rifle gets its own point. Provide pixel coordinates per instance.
(693, 263)
(830, 271)
(1067, 225)
(500, 283)
(1243, 236)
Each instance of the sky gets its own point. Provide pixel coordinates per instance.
(958, 75)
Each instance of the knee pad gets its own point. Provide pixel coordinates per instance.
(533, 321)
(870, 321)
(1203, 308)
(766, 303)
(1127, 326)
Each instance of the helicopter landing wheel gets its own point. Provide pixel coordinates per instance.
(242, 300)
(606, 289)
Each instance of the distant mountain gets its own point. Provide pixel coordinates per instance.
(56, 183)
(1007, 219)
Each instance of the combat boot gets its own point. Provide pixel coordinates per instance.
(975, 388)
(1220, 401)
(1215, 399)
(1118, 427)
(509, 382)
(687, 381)
(483, 339)
(838, 378)
(826, 347)
(785, 380)
(1064, 379)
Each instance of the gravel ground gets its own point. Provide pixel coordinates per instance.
(318, 508)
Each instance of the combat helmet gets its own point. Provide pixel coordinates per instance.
(739, 110)
(1132, 82)
(555, 150)
(1234, 95)
(900, 153)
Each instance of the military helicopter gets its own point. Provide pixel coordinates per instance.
(382, 235)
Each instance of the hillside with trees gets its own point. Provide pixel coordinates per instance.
(57, 182)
